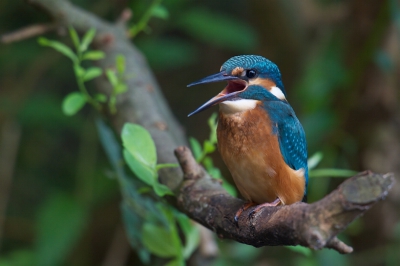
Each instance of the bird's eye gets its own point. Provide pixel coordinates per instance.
(251, 73)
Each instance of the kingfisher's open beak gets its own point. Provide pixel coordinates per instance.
(235, 86)
(221, 76)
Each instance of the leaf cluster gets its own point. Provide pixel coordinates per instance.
(76, 100)
(201, 154)
(153, 226)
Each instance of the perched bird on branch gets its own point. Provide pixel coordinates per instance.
(260, 138)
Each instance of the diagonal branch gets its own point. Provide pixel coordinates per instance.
(312, 225)
(202, 198)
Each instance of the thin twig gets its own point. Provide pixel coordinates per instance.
(27, 32)
(142, 24)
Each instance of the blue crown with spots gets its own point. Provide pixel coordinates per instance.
(264, 67)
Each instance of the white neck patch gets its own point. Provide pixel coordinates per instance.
(277, 92)
(231, 107)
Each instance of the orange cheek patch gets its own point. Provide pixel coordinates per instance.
(266, 83)
(237, 71)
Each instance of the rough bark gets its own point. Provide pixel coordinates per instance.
(199, 196)
(312, 225)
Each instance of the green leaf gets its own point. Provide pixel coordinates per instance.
(74, 37)
(158, 240)
(87, 39)
(176, 262)
(173, 228)
(120, 63)
(192, 235)
(161, 190)
(166, 165)
(208, 147)
(140, 169)
(160, 11)
(79, 71)
(60, 223)
(196, 148)
(212, 123)
(208, 163)
(138, 142)
(219, 30)
(120, 88)
(93, 55)
(229, 188)
(214, 172)
(60, 47)
(332, 173)
(100, 97)
(112, 77)
(73, 102)
(92, 73)
(132, 222)
(300, 249)
(314, 160)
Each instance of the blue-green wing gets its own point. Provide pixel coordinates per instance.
(293, 145)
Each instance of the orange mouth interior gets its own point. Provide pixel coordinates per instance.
(233, 86)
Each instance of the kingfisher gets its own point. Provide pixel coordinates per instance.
(260, 139)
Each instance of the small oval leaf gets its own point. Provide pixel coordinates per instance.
(92, 73)
(87, 39)
(73, 102)
(112, 77)
(160, 12)
(93, 55)
(208, 147)
(196, 148)
(138, 142)
(60, 47)
(100, 97)
(79, 71)
(158, 240)
(120, 63)
(141, 170)
(120, 88)
(162, 190)
(74, 37)
(314, 160)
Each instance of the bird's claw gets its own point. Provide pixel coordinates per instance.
(239, 212)
(236, 221)
(251, 214)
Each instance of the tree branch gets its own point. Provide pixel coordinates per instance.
(311, 225)
(199, 196)
(27, 32)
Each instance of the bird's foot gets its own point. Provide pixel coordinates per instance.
(242, 209)
(267, 204)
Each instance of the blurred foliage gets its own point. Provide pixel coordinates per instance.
(201, 154)
(75, 101)
(201, 24)
(62, 204)
(151, 224)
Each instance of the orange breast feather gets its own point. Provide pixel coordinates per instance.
(251, 152)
